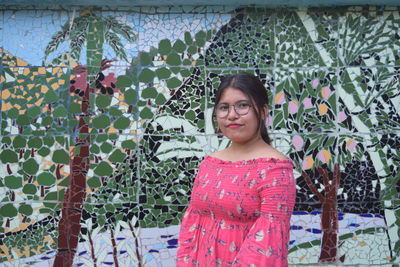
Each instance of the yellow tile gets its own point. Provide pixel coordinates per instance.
(44, 89)
(112, 130)
(18, 253)
(55, 86)
(26, 251)
(5, 250)
(6, 106)
(5, 94)
(26, 71)
(323, 109)
(42, 70)
(56, 70)
(20, 62)
(47, 238)
(39, 102)
(22, 226)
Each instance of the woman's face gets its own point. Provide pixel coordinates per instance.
(238, 128)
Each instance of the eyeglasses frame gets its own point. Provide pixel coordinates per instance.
(234, 108)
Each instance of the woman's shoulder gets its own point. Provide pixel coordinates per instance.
(218, 154)
(273, 153)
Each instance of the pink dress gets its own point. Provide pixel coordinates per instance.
(239, 214)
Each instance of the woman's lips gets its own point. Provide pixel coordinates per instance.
(234, 125)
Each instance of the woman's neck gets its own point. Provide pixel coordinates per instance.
(248, 147)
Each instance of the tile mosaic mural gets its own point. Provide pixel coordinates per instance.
(105, 116)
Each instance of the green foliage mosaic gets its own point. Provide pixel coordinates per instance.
(101, 140)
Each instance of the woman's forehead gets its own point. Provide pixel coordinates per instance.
(232, 94)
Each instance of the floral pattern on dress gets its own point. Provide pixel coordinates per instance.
(239, 214)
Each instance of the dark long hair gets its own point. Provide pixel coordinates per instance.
(251, 86)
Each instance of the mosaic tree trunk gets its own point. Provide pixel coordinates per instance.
(329, 216)
(69, 226)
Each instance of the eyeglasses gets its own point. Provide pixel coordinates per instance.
(241, 108)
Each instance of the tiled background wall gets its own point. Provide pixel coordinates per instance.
(105, 116)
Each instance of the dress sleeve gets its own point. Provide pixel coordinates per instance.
(266, 244)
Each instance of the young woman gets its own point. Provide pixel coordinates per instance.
(243, 196)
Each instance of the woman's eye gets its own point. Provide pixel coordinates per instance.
(243, 105)
(223, 107)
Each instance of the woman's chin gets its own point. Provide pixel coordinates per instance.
(237, 138)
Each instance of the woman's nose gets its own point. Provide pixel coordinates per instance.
(233, 114)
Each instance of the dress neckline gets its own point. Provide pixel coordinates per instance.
(248, 161)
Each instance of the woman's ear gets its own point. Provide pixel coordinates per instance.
(264, 114)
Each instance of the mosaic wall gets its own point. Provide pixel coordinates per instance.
(105, 116)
